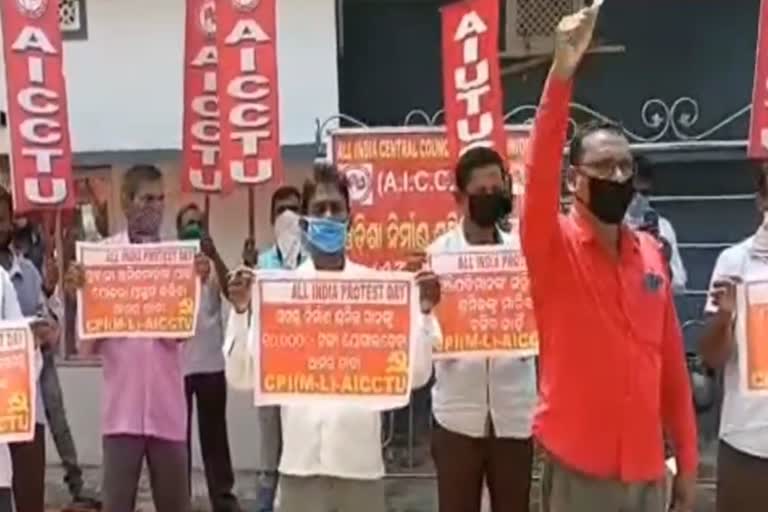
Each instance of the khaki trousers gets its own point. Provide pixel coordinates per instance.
(565, 490)
(328, 494)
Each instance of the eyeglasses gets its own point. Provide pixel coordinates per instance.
(608, 169)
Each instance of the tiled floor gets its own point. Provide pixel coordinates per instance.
(404, 494)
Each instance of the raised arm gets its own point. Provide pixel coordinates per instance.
(541, 202)
(237, 339)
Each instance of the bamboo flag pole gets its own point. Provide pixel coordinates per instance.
(251, 213)
(207, 212)
(59, 254)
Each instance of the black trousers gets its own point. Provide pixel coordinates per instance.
(6, 500)
(209, 390)
(463, 463)
(742, 481)
(29, 472)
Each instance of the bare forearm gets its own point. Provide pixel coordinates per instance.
(716, 343)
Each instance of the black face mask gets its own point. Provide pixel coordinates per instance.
(609, 200)
(486, 210)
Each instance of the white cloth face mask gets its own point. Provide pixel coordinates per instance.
(288, 238)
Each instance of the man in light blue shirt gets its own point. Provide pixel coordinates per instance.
(285, 199)
(285, 253)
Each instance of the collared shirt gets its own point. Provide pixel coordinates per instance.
(28, 284)
(613, 375)
(337, 440)
(202, 352)
(468, 392)
(744, 418)
(143, 384)
(679, 274)
(271, 258)
(9, 310)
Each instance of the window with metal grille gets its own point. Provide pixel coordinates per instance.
(72, 19)
(531, 25)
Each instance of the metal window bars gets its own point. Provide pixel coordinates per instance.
(531, 23)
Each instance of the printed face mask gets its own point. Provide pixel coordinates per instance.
(288, 238)
(328, 236)
(609, 200)
(144, 222)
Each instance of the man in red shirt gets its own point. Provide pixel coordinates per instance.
(613, 378)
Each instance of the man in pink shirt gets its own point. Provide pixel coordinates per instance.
(144, 412)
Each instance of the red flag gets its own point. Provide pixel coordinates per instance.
(472, 91)
(41, 153)
(758, 130)
(250, 129)
(202, 169)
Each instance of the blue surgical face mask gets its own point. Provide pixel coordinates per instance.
(328, 236)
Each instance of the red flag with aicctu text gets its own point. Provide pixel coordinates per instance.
(246, 40)
(38, 122)
(202, 169)
(473, 97)
(758, 129)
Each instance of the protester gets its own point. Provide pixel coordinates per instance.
(204, 381)
(641, 215)
(286, 254)
(331, 457)
(612, 375)
(144, 407)
(28, 458)
(29, 244)
(6, 477)
(742, 461)
(483, 407)
(10, 310)
(28, 241)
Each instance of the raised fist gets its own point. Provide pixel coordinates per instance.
(572, 38)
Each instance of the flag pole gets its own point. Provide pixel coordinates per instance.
(251, 213)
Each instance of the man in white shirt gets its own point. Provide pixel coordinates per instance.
(662, 228)
(331, 458)
(742, 465)
(28, 458)
(204, 382)
(484, 407)
(9, 310)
